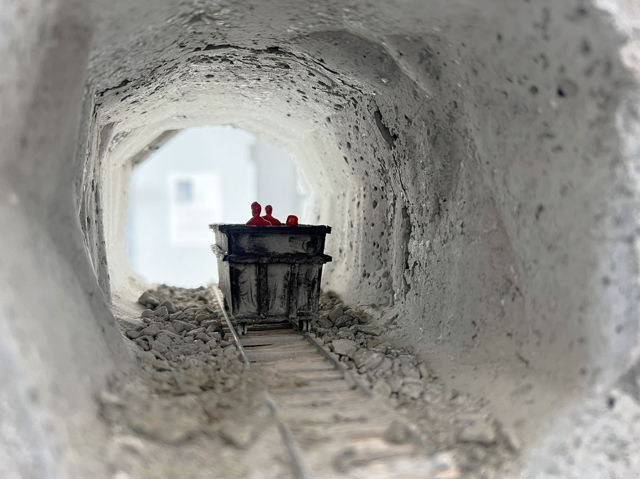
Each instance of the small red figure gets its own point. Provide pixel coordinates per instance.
(256, 220)
(292, 220)
(269, 217)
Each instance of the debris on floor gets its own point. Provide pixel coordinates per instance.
(191, 396)
(453, 421)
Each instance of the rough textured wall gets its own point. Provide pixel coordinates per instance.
(472, 158)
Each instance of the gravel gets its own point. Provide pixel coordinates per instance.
(449, 420)
(186, 385)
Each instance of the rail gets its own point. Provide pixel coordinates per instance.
(300, 471)
(236, 338)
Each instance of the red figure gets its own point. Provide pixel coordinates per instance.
(256, 220)
(292, 220)
(270, 218)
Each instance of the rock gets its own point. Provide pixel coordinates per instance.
(412, 387)
(397, 433)
(178, 315)
(224, 344)
(212, 323)
(151, 330)
(143, 343)
(342, 321)
(181, 326)
(195, 332)
(203, 337)
(408, 370)
(385, 365)
(160, 365)
(424, 370)
(238, 435)
(202, 316)
(324, 323)
(479, 432)
(395, 382)
(336, 313)
(132, 334)
(161, 313)
(148, 300)
(510, 437)
(160, 347)
(346, 335)
(367, 329)
(170, 426)
(148, 313)
(363, 358)
(170, 307)
(344, 347)
(382, 388)
(231, 352)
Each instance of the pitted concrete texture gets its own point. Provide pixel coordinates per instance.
(477, 161)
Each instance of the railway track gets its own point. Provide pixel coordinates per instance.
(330, 423)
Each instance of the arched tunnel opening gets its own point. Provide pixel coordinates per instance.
(477, 165)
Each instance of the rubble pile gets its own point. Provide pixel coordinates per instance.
(450, 420)
(190, 380)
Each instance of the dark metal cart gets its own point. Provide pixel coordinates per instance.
(270, 274)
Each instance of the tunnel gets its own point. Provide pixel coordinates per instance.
(477, 162)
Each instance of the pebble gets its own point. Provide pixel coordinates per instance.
(384, 366)
(479, 432)
(344, 347)
(367, 329)
(342, 321)
(161, 313)
(195, 332)
(201, 316)
(238, 435)
(180, 326)
(363, 358)
(408, 370)
(231, 351)
(324, 323)
(382, 388)
(132, 334)
(171, 309)
(151, 330)
(395, 382)
(148, 300)
(412, 387)
(160, 347)
(336, 313)
(397, 433)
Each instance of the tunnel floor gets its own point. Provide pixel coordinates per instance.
(341, 403)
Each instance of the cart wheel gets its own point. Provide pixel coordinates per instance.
(303, 325)
(243, 329)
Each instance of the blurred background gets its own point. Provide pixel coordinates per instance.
(202, 176)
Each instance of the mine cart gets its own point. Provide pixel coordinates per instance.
(270, 274)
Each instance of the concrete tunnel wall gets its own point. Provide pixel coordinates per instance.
(475, 160)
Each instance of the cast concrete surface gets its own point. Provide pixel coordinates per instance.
(476, 159)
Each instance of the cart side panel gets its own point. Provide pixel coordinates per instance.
(278, 277)
(224, 283)
(244, 294)
(308, 289)
(273, 243)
